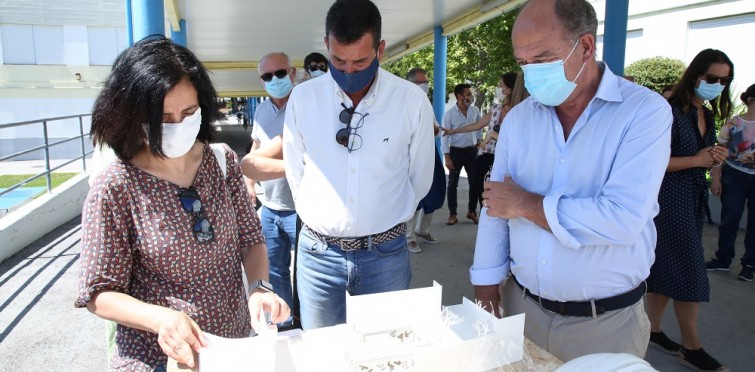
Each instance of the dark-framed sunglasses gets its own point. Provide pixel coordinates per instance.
(712, 79)
(323, 68)
(348, 137)
(191, 203)
(280, 74)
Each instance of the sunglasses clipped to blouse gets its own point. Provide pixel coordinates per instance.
(191, 203)
(280, 74)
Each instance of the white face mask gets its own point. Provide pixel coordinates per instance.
(179, 137)
(499, 94)
(316, 73)
(425, 87)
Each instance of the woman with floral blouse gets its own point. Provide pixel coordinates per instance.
(168, 226)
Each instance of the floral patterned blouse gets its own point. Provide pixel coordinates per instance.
(138, 239)
(495, 119)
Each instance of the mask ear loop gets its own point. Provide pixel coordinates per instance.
(583, 63)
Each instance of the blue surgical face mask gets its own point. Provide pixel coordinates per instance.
(546, 82)
(316, 73)
(355, 81)
(279, 87)
(707, 91)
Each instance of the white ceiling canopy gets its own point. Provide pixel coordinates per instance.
(230, 36)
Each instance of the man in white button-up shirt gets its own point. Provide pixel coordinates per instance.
(358, 151)
(460, 150)
(574, 190)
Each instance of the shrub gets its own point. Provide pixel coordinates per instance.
(657, 72)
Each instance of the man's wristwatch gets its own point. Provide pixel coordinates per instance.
(262, 285)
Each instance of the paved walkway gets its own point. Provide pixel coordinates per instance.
(40, 330)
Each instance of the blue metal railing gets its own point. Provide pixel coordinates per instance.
(46, 147)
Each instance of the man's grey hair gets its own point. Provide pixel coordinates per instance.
(284, 55)
(412, 74)
(578, 18)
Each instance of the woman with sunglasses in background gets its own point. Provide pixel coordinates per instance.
(167, 227)
(679, 269)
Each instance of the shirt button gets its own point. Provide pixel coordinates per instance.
(562, 160)
(353, 170)
(544, 262)
(351, 200)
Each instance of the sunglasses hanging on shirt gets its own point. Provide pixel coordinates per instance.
(191, 203)
(348, 137)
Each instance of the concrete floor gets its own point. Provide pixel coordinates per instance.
(40, 330)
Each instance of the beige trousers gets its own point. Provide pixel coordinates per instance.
(625, 330)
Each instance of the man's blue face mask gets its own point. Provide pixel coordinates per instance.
(355, 81)
(547, 83)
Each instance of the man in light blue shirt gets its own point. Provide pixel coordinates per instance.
(460, 150)
(570, 208)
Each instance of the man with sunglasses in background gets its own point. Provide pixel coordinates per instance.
(277, 214)
(573, 192)
(315, 64)
(358, 152)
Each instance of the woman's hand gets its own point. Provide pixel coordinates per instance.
(710, 156)
(270, 303)
(448, 132)
(715, 187)
(179, 337)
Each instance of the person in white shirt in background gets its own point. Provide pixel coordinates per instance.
(357, 148)
(573, 192)
(434, 198)
(460, 150)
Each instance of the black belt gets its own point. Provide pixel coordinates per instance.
(586, 308)
(362, 242)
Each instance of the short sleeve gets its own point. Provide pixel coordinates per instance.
(106, 259)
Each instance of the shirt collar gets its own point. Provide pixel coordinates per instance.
(608, 90)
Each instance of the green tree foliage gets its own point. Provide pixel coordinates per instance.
(657, 72)
(478, 56)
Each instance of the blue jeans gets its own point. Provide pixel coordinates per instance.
(738, 188)
(279, 228)
(325, 272)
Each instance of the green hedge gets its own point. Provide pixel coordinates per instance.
(656, 72)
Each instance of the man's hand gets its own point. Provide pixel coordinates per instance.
(449, 163)
(505, 199)
(489, 298)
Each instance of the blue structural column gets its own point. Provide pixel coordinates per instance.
(147, 18)
(615, 35)
(439, 76)
(179, 37)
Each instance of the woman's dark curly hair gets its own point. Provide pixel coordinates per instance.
(132, 97)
